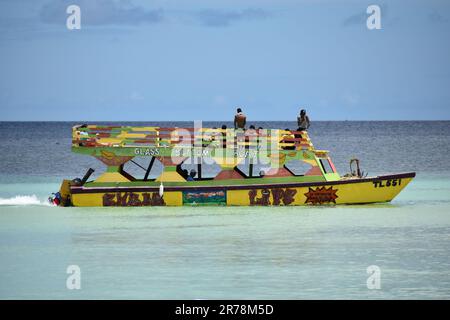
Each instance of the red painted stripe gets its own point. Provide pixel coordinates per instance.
(332, 165)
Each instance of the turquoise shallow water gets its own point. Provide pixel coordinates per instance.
(236, 253)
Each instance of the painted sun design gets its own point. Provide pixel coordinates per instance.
(321, 195)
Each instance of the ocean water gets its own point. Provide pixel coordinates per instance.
(229, 252)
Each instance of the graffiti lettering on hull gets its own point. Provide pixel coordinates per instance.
(285, 196)
(321, 195)
(130, 199)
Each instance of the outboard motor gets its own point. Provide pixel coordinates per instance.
(63, 197)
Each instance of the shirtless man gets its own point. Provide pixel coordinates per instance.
(239, 119)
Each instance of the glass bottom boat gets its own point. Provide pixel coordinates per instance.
(276, 185)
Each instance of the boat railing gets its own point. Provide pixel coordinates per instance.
(93, 136)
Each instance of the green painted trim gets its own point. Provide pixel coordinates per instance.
(231, 182)
(332, 176)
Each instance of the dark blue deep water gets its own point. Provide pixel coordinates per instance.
(42, 149)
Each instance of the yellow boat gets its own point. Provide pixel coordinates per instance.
(277, 184)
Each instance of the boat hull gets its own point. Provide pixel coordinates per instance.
(345, 191)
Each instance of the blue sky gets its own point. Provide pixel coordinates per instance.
(187, 60)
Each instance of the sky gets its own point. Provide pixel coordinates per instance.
(163, 60)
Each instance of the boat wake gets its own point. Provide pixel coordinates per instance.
(23, 201)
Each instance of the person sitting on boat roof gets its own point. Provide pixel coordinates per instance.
(251, 130)
(239, 119)
(191, 175)
(259, 130)
(303, 121)
(250, 136)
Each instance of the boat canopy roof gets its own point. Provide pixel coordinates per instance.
(227, 148)
(137, 140)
